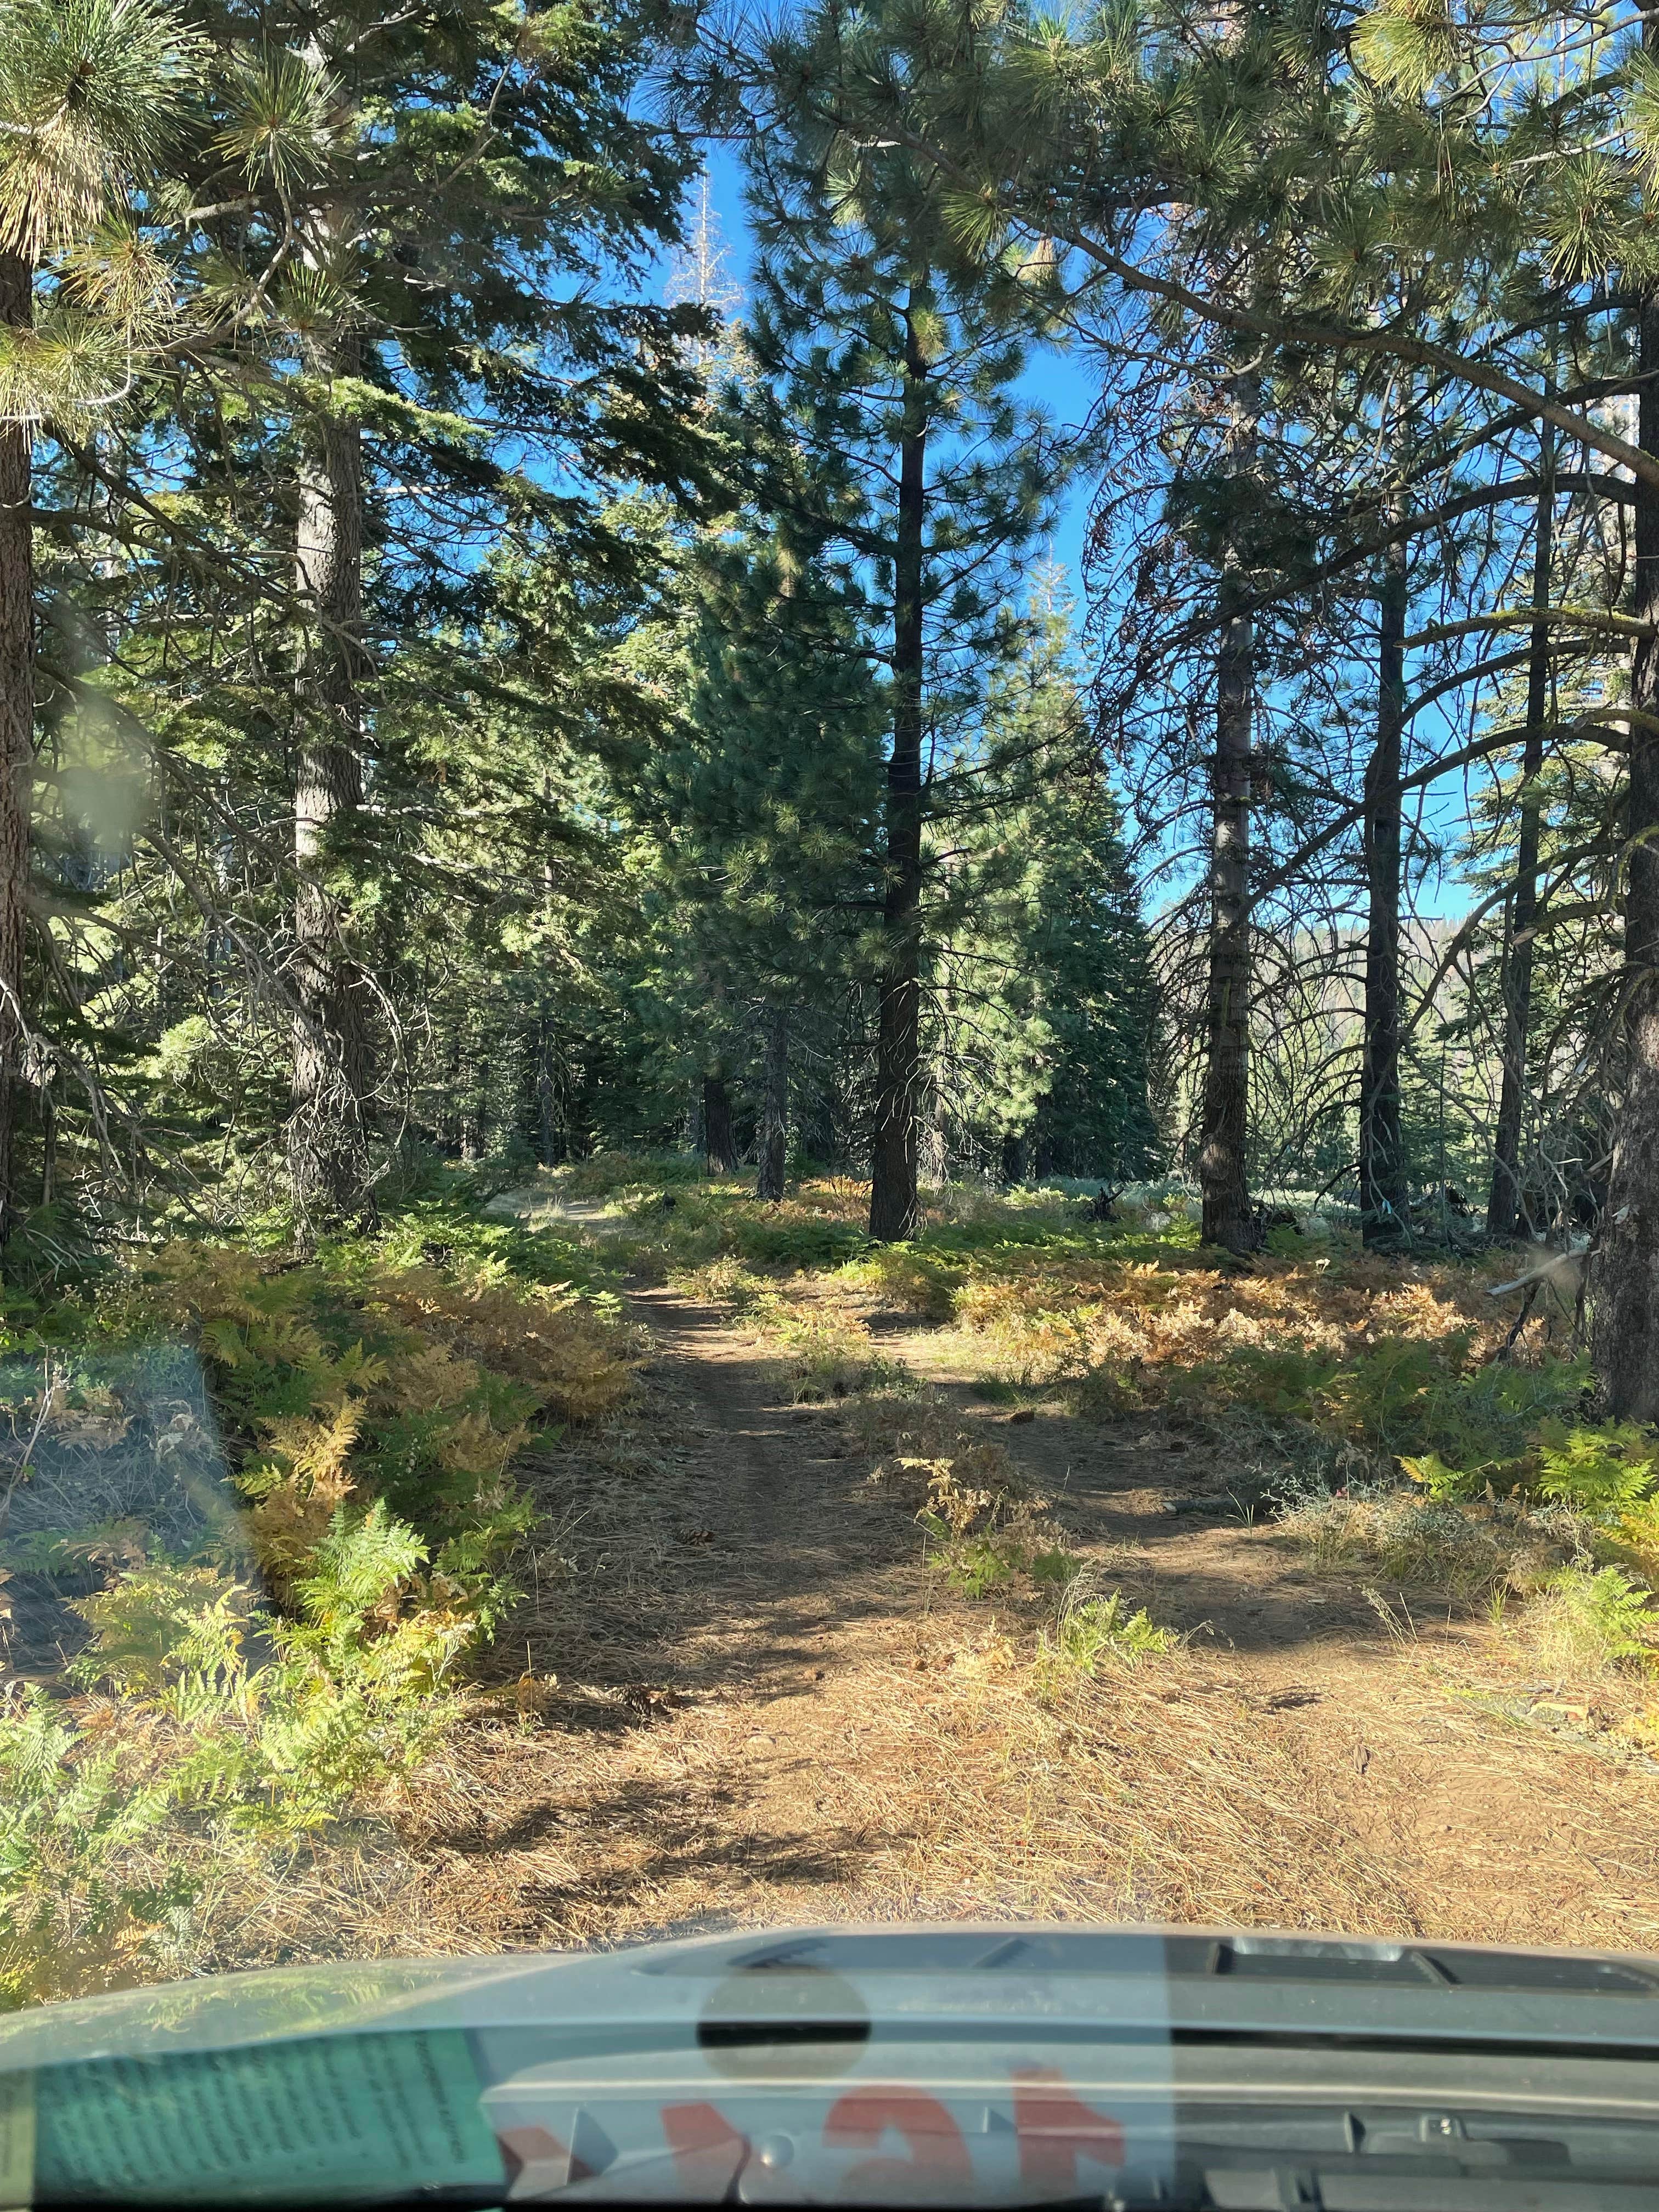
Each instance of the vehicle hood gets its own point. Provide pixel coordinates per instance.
(898, 1977)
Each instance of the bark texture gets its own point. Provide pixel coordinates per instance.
(774, 1112)
(895, 1212)
(1222, 1168)
(1504, 1209)
(333, 1051)
(16, 741)
(552, 1119)
(1625, 1269)
(1384, 1203)
(718, 1147)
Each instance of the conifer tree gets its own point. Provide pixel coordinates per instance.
(406, 221)
(765, 798)
(1222, 1171)
(91, 93)
(894, 350)
(1384, 1201)
(1504, 1210)
(1043, 1064)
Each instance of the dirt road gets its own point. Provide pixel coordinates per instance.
(767, 1708)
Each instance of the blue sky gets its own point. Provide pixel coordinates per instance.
(1060, 382)
(1056, 380)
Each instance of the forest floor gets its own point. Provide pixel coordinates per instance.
(632, 1558)
(751, 1696)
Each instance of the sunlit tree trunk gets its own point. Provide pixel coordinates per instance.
(16, 738)
(718, 1147)
(775, 1113)
(550, 1121)
(1222, 1167)
(895, 1212)
(1384, 1201)
(1503, 1208)
(1625, 1271)
(333, 1054)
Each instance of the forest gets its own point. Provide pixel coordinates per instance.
(553, 781)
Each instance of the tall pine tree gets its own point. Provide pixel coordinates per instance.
(894, 352)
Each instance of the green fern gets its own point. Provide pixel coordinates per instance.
(1602, 1470)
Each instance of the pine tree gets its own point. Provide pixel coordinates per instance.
(1384, 1201)
(1625, 1309)
(425, 241)
(1042, 1066)
(764, 797)
(894, 350)
(1222, 1171)
(90, 95)
(1365, 162)
(1504, 1210)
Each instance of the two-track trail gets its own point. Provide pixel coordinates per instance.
(725, 1592)
(767, 1706)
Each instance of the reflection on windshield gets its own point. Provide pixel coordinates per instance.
(113, 1458)
(829, 1102)
(965, 2067)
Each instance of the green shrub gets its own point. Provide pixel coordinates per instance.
(831, 1357)
(292, 1716)
(1444, 1485)
(989, 1535)
(377, 1398)
(905, 1275)
(1095, 1631)
(449, 1226)
(1601, 1471)
(810, 1243)
(76, 1815)
(1282, 1381)
(1396, 1396)
(237, 1731)
(976, 1565)
(1589, 1621)
(1598, 1470)
(1455, 1428)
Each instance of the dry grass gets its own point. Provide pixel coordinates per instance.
(1162, 1792)
(1143, 1795)
(742, 1690)
(957, 1788)
(939, 1769)
(1402, 1538)
(1048, 1317)
(726, 1282)
(959, 1775)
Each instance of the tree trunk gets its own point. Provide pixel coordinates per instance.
(718, 1147)
(774, 1114)
(1384, 1203)
(895, 1212)
(1222, 1174)
(1624, 1270)
(551, 1146)
(1505, 1205)
(333, 1056)
(16, 739)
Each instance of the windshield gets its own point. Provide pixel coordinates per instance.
(829, 1098)
(955, 2066)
